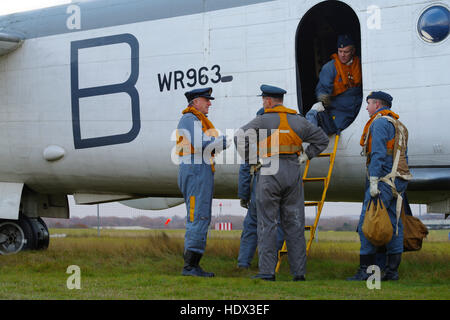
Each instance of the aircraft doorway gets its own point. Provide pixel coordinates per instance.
(315, 42)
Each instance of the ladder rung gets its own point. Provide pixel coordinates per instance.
(311, 203)
(308, 227)
(314, 179)
(324, 155)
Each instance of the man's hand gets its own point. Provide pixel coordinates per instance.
(244, 203)
(374, 186)
(303, 158)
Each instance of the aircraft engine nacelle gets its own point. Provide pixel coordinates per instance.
(153, 203)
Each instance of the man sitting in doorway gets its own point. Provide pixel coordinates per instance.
(339, 89)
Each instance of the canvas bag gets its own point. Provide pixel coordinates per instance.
(414, 231)
(377, 226)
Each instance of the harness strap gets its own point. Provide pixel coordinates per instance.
(391, 182)
(389, 179)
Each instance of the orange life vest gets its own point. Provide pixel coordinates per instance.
(284, 140)
(347, 76)
(366, 138)
(184, 146)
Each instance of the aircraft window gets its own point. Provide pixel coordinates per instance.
(434, 24)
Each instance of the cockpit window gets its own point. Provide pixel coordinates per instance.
(434, 24)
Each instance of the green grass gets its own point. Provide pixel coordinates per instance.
(147, 265)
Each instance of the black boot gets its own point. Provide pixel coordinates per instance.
(391, 271)
(191, 265)
(263, 276)
(364, 262)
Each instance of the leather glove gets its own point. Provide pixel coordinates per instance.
(325, 99)
(318, 106)
(244, 203)
(374, 186)
(303, 158)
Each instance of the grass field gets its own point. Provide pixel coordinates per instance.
(147, 265)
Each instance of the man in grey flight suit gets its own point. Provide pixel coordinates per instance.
(280, 191)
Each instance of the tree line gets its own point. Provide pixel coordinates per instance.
(341, 223)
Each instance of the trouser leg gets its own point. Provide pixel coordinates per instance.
(267, 206)
(311, 116)
(249, 238)
(197, 185)
(293, 223)
(280, 235)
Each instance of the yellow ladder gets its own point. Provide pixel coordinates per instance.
(319, 204)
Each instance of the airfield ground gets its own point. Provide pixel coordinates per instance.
(146, 264)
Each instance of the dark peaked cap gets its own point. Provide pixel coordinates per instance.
(380, 95)
(271, 91)
(344, 40)
(196, 93)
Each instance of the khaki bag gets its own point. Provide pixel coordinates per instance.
(377, 226)
(414, 231)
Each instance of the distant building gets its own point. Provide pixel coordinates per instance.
(437, 224)
(224, 226)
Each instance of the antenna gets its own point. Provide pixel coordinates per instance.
(98, 220)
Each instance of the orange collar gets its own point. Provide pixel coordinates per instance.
(382, 112)
(207, 126)
(280, 108)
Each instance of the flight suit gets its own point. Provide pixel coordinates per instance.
(344, 107)
(380, 141)
(380, 164)
(281, 192)
(196, 181)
